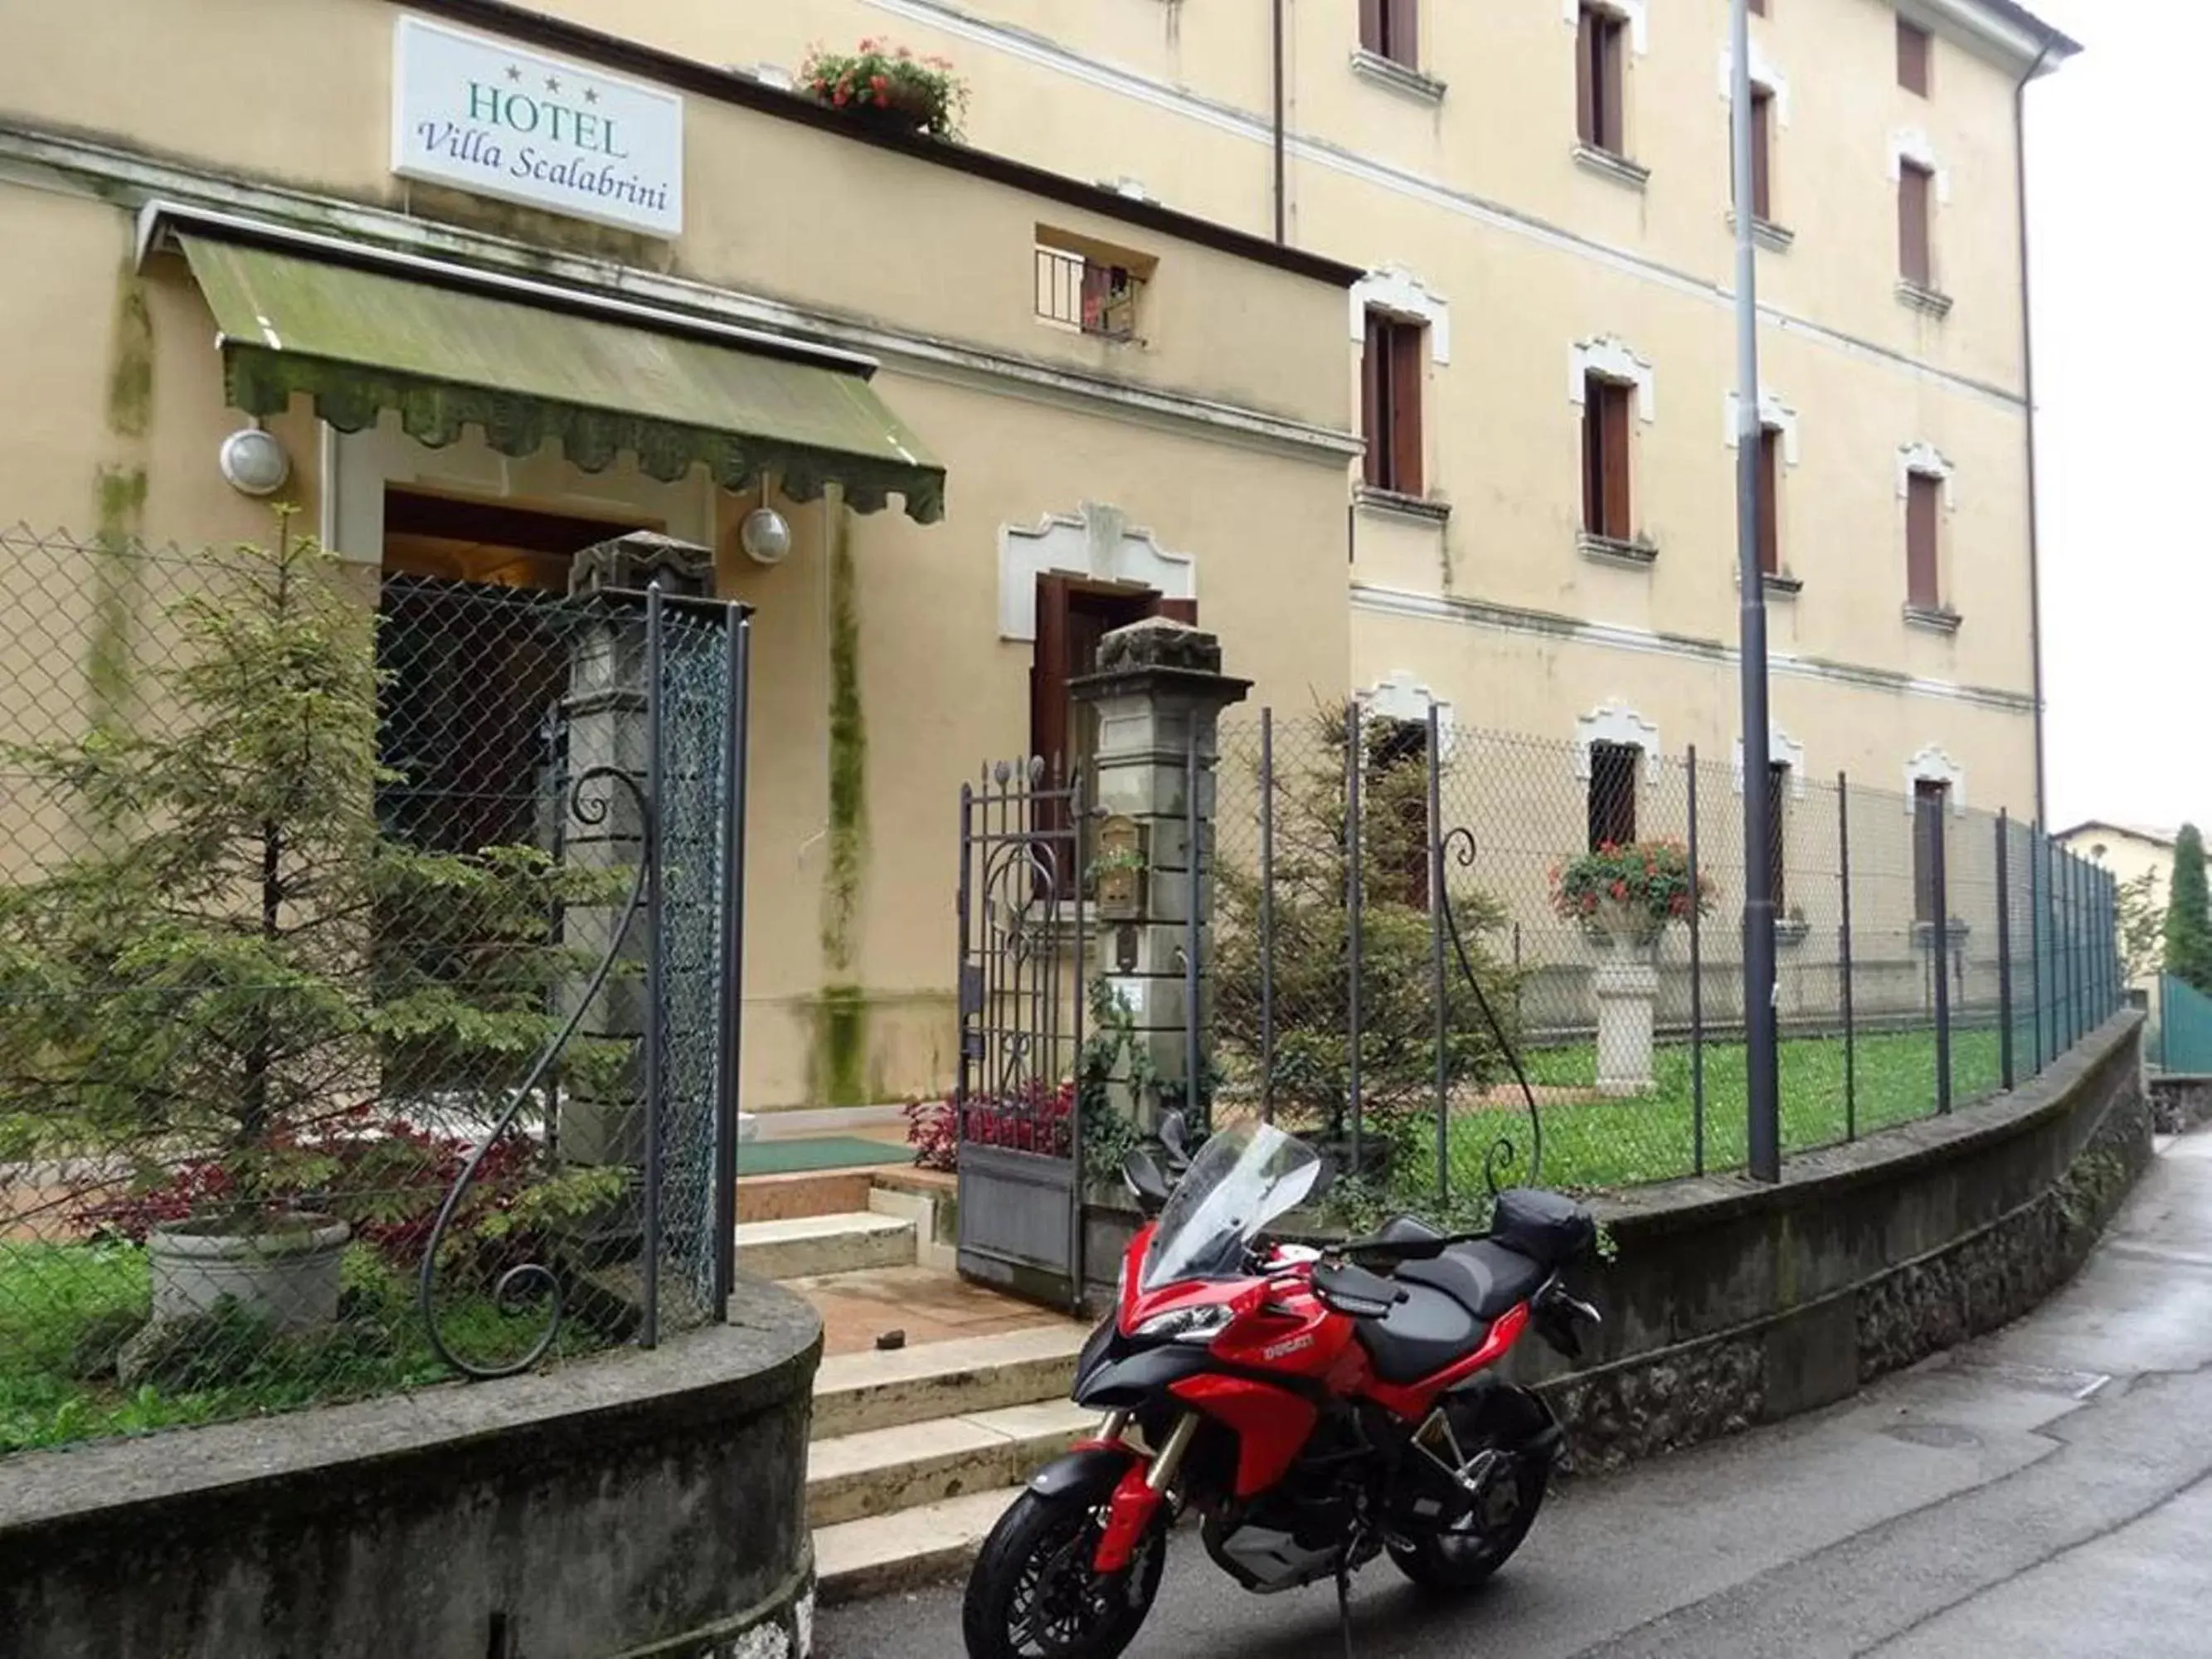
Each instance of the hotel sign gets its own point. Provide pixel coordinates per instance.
(470, 111)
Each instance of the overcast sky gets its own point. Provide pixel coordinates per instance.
(2121, 269)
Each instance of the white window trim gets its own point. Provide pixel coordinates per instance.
(1613, 721)
(1932, 765)
(1610, 359)
(1396, 292)
(1398, 696)
(1782, 750)
(1763, 75)
(1911, 145)
(1925, 461)
(1774, 416)
(1629, 11)
(1097, 541)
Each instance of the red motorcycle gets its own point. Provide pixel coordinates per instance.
(1314, 1408)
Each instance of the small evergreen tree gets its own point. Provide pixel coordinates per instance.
(216, 986)
(2142, 921)
(2188, 915)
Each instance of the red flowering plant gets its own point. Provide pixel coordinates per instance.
(1632, 891)
(882, 76)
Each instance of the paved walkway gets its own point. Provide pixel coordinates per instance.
(2044, 1494)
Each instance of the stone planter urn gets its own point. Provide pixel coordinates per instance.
(285, 1275)
(1626, 985)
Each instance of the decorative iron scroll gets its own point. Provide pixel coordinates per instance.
(1502, 1154)
(526, 1278)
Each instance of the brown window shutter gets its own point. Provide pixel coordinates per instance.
(1593, 456)
(1778, 829)
(1930, 800)
(1770, 500)
(1586, 78)
(1048, 673)
(1374, 401)
(1913, 223)
(1912, 55)
(1407, 349)
(1762, 139)
(1182, 610)
(1401, 36)
(1758, 7)
(1923, 502)
(1619, 523)
(1612, 123)
(1371, 25)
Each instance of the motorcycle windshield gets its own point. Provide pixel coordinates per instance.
(1241, 1179)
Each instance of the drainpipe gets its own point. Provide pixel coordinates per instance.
(2027, 359)
(1281, 207)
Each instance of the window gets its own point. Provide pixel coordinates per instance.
(1600, 48)
(1931, 802)
(1388, 29)
(1770, 500)
(1778, 833)
(1390, 402)
(1612, 769)
(1606, 406)
(1762, 149)
(1914, 50)
(1091, 295)
(1923, 501)
(1914, 193)
(1397, 841)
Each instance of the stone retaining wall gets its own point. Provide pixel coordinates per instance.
(2179, 1103)
(639, 1506)
(1732, 1303)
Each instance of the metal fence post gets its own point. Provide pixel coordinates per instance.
(1200, 1112)
(1266, 916)
(1437, 948)
(2004, 949)
(1938, 833)
(1354, 905)
(655, 949)
(1697, 985)
(1850, 1022)
(737, 667)
(2035, 895)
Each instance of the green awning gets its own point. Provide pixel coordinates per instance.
(359, 340)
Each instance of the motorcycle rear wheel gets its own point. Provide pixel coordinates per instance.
(1034, 1594)
(1459, 1560)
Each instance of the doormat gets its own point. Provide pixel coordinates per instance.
(757, 1157)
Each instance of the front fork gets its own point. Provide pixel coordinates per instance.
(1143, 1487)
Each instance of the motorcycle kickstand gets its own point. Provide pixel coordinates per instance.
(1344, 1597)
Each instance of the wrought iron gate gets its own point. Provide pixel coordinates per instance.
(1021, 978)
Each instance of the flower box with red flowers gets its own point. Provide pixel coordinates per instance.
(889, 86)
(1631, 891)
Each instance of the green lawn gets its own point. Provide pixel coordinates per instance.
(65, 1307)
(1597, 1145)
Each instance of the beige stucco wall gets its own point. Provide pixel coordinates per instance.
(299, 97)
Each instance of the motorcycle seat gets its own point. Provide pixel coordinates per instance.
(1484, 1277)
(1451, 1301)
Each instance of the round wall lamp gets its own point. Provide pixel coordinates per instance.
(765, 535)
(254, 463)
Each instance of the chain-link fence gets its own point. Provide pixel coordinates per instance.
(350, 921)
(1927, 955)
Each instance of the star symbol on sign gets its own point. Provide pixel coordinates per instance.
(591, 96)
(552, 83)
(513, 73)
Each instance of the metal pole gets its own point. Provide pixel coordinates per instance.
(1939, 954)
(1266, 916)
(1198, 1112)
(1079, 816)
(2004, 949)
(1850, 1020)
(737, 643)
(1353, 744)
(1437, 947)
(969, 1006)
(1696, 988)
(2038, 896)
(1762, 1095)
(655, 987)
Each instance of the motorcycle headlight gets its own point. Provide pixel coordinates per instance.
(1199, 1325)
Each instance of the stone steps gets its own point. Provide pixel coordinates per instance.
(911, 1547)
(856, 1391)
(812, 1246)
(851, 1477)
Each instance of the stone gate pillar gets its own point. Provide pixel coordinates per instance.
(1158, 693)
(604, 719)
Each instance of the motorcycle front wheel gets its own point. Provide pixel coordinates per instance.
(1035, 1594)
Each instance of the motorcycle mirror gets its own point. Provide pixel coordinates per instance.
(1145, 1182)
(1174, 1137)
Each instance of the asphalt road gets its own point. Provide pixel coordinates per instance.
(1974, 1508)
